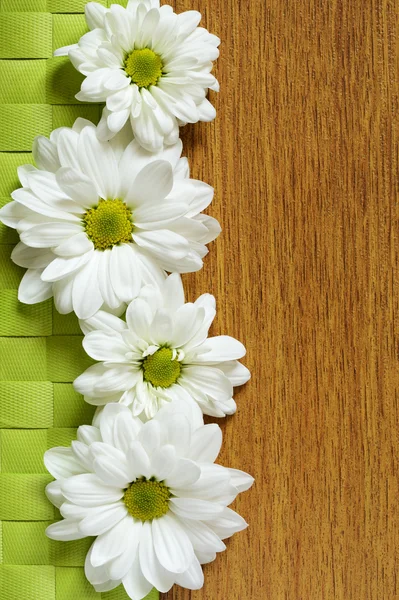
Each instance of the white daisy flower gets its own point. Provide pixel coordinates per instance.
(160, 353)
(150, 65)
(98, 220)
(150, 494)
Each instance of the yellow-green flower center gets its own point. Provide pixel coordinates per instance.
(160, 369)
(108, 223)
(146, 500)
(144, 67)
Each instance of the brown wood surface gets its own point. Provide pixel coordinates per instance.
(303, 156)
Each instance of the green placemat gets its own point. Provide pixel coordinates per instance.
(40, 350)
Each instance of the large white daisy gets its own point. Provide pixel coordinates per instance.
(150, 65)
(97, 220)
(150, 493)
(162, 352)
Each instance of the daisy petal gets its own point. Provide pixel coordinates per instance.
(185, 405)
(107, 425)
(67, 146)
(105, 449)
(104, 281)
(87, 434)
(202, 537)
(213, 484)
(74, 246)
(84, 384)
(163, 244)
(179, 432)
(126, 430)
(151, 568)
(125, 276)
(135, 158)
(237, 373)
(227, 523)
(120, 567)
(86, 294)
(208, 379)
(188, 21)
(24, 171)
(163, 462)
(95, 575)
(107, 586)
(48, 235)
(242, 481)
(78, 186)
(44, 185)
(61, 462)
(63, 295)
(57, 211)
(173, 292)
(65, 531)
(206, 111)
(153, 216)
(94, 13)
(54, 493)
(186, 473)
(61, 267)
(103, 345)
(192, 508)
(45, 154)
(32, 289)
(88, 490)
(102, 518)
(206, 443)
(150, 436)
(139, 317)
(134, 582)
(116, 120)
(119, 100)
(152, 184)
(221, 348)
(139, 460)
(172, 545)
(64, 50)
(193, 578)
(111, 473)
(82, 454)
(98, 162)
(117, 379)
(187, 321)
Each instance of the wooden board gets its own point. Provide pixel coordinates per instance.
(303, 156)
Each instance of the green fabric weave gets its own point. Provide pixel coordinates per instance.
(40, 350)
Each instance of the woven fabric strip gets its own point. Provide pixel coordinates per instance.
(40, 350)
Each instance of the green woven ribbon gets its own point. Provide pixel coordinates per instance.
(40, 350)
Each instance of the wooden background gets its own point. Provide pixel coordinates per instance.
(303, 156)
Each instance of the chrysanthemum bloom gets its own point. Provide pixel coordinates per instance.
(160, 353)
(97, 220)
(150, 493)
(150, 65)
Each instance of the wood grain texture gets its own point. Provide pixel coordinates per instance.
(303, 156)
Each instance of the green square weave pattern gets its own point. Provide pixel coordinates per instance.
(40, 350)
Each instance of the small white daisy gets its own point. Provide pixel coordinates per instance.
(150, 494)
(97, 220)
(150, 65)
(160, 353)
